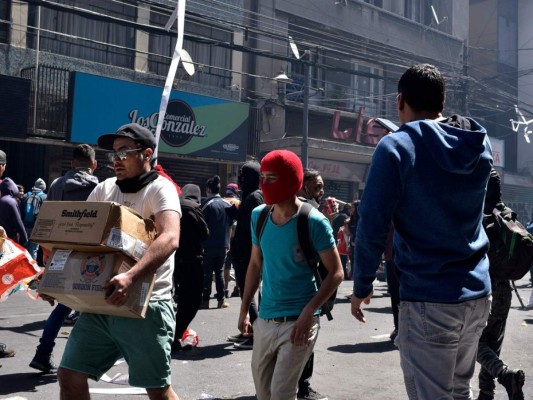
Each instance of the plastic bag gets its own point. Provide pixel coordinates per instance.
(17, 267)
(189, 338)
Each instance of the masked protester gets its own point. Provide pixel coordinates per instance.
(188, 272)
(287, 327)
(241, 244)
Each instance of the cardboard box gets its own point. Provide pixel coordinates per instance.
(76, 279)
(82, 225)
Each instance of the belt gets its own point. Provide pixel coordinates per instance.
(290, 318)
(279, 320)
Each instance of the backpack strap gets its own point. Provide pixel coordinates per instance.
(304, 237)
(304, 240)
(261, 222)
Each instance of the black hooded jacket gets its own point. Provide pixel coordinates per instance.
(9, 212)
(241, 244)
(193, 228)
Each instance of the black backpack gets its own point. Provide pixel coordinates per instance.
(511, 245)
(313, 260)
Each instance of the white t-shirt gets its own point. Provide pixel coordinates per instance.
(159, 195)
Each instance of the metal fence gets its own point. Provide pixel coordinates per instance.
(51, 116)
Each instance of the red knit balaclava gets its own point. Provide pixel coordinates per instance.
(289, 171)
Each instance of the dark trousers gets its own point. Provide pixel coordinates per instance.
(214, 259)
(240, 267)
(393, 283)
(344, 263)
(188, 287)
(307, 373)
(51, 329)
(490, 343)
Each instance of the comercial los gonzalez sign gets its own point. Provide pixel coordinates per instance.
(194, 125)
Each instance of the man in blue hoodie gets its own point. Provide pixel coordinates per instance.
(75, 185)
(429, 178)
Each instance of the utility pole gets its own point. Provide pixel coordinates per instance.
(305, 121)
(465, 78)
(36, 76)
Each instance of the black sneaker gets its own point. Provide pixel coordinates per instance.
(513, 381)
(247, 344)
(237, 338)
(393, 334)
(44, 363)
(308, 393)
(485, 396)
(177, 348)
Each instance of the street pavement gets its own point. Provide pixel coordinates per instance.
(352, 360)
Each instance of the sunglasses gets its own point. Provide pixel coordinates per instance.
(120, 155)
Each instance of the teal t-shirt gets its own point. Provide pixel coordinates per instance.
(288, 281)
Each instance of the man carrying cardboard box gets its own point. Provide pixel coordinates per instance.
(97, 341)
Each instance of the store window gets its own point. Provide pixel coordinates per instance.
(81, 30)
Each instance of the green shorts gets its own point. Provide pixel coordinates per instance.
(97, 341)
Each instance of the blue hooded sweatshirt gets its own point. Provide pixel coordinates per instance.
(430, 179)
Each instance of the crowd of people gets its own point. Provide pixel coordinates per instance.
(435, 171)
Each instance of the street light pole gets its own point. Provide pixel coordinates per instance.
(36, 75)
(305, 121)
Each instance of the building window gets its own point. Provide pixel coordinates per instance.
(5, 15)
(368, 89)
(420, 11)
(347, 91)
(213, 63)
(507, 39)
(413, 10)
(80, 34)
(377, 3)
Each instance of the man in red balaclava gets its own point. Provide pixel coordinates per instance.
(288, 324)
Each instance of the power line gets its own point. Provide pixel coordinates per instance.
(345, 45)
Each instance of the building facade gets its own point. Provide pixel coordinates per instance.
(342, 63)
(81, 69)
(310, 76)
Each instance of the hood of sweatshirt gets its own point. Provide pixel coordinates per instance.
(456, 143)
(8, 187)
(249, 178)
(191, 192)
(76, 180)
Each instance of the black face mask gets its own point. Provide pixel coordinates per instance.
(133, 185)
